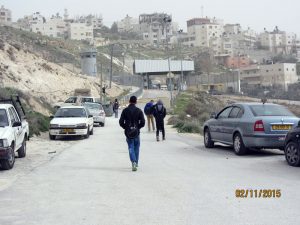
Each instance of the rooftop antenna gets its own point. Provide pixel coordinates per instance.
(202, 11)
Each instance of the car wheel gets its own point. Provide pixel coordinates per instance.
(92, 131)
(8, 164)
(22, 150)
(292, 154)
(52, 137)
(102, 124)
(87, 134)
(238, 145)
(207, 139)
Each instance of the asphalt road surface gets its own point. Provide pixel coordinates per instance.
(178, 182)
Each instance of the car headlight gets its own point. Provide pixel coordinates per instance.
(4, 143)
(81, 126)
(54, 126)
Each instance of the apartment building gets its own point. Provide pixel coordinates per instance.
(53, 27)
(278, 41)
(128, 24)
(95, 21)
(5, 16)
(81, 31)
(273, 75)
(27, 22)
(241, 39)
(204, 32)
(156, 28)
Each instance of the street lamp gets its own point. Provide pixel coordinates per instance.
(167, 20)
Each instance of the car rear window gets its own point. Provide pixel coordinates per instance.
(270, 110)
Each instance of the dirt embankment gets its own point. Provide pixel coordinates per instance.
(39, 78)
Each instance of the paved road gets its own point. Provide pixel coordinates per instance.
(178, 182)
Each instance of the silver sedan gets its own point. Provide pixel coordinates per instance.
(250, 125)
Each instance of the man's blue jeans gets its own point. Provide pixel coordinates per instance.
(134, 149)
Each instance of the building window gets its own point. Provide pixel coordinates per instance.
(287, 69)
(267, 71)
(279, 69)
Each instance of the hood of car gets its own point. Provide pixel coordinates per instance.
(4, 132)
(69, 121)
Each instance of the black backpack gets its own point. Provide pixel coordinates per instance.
(132, 131)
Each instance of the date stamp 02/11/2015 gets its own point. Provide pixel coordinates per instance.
(257, 193)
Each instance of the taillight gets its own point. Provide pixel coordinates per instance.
(259, 126)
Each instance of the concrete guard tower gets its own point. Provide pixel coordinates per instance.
(89, 62)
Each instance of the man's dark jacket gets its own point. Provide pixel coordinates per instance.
(134, 114)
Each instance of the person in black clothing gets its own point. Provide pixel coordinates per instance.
(159, 112)
(132, 120)
(116, 108)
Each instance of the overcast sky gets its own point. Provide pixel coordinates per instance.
(256, 14)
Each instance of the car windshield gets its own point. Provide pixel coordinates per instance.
(71, 100)
(270, 110)
(3, 118)
(70, 112)
(87, 100)
(93, 106)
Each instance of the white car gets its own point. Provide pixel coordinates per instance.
(14, 132)
(97, 111)
(71, 121)
(78, 100)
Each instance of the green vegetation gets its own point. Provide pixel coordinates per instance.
(192, 109)
(37, 122)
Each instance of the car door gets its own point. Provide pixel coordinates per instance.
(230, 124)
(17, 130)
(219, 125)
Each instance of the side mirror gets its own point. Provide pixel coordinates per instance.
(17, 124)
(90, 116)
(213, 115)
(51, 117)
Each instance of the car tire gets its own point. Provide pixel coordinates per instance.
(52, 137)
(238, 145)
(87, 134)
(92, 131)
(208, 143)
(8, 164)
(102, 124)
(292, 154)
(22, 150)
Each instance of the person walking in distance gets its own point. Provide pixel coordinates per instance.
(116, 108)
(132, 120)
(149, 113)
(160, 112)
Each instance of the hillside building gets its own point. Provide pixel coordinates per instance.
(5, 16)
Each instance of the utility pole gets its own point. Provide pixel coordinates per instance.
(111, 64)
(181, 77)
(101, 82)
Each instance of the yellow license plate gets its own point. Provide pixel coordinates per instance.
(281, 127)
(68, 131)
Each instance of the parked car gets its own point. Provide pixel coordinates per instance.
(163, 87)
(14, 132)
(292, 147)
(108, 109)
(71, 121)
(250, 125)
(78, 100)
(97, 111)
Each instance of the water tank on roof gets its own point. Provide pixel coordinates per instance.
(89, 62)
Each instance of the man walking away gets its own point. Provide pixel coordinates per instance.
(116, 108)
(149, 113)
(160, 112)
(132, 120)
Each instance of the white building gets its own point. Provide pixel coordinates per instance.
(156, 28)
(27, 22)
(81, 31)
(278, 41)
(53, 27)
(128, 24)
(273, 75)
(204, 32)
(96, 21)
(5, 16)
